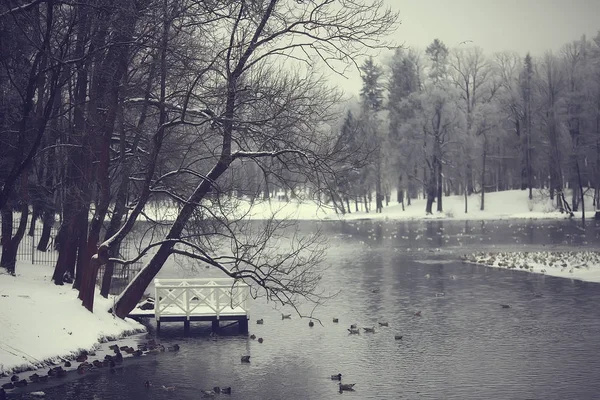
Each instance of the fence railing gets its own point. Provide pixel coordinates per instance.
(27, 251)
(190, 297)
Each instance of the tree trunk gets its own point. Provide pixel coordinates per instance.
(10, 244)
(484, 157)
(35, 213)
(47, 224)
(440, 192)
(135, 290)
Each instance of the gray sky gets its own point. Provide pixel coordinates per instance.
(494, 25)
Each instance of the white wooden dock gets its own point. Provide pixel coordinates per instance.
(199, 299)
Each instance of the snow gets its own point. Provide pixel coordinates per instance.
(583, 265)
(511, 204)
(42, 322)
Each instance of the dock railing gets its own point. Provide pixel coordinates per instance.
(200, 296)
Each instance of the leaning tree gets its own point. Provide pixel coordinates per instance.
(254, 95)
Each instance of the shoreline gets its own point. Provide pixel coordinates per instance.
(44, 323)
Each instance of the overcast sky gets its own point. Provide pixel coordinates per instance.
(494, 25)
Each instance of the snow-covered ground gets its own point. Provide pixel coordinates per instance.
(583, 265)
(43, 323)
(511, 204)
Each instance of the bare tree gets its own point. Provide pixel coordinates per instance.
(242, 105)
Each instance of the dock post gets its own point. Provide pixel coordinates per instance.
(243, 326)
(186, 326)
(157, 326)
(215, 325)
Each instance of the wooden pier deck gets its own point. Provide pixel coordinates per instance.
(199, 299)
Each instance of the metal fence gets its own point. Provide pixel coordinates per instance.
(122, 274)
(28, 251)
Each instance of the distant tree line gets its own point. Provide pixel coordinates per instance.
(455, 121)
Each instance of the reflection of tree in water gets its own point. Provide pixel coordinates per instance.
(468, 228)
(378, 232)
(530, 230)
(434, 232)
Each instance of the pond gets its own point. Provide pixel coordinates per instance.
(463, 346)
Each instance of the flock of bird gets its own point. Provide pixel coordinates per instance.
(109, 362)
(540, 260)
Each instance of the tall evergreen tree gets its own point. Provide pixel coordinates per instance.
(372, 102)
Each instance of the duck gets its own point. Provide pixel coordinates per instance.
(253, 336)
(260, 321)
(147, 384)
(175, 347)
(114, 347)
(245, 359)
(370, 330)
(418, 314)
(354, 331)
(208, 393)
(260, 340)
(226, 390)
(505, 305)
(335, 320)
(97, 363)
(286, 316)
(81, 358)
(217, 389)
(346, 386)
(337, 377)
(353, 326)
(398, 337)
(21, 383)
(168, 388)
(38, 394)
(137, 353)
(123, 348)
(311, 324)
(384, 324)
(34, 378)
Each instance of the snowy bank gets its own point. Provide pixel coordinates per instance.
(580, 265)
(510, 204)
(43, 323)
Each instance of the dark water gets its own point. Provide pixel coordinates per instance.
(464, 346)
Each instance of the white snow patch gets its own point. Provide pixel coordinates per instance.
(580, 265)
(42, 322)
(511, 204)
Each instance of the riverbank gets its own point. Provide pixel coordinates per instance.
(510, 204)
(44, 324)
(579, 265)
